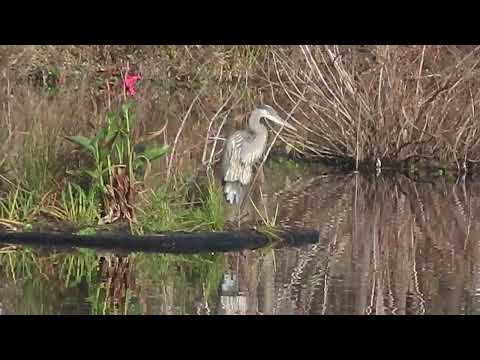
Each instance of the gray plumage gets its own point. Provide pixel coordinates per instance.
(243, 149)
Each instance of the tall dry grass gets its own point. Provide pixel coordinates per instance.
(356, 103)
(185, 97)
(386, 102)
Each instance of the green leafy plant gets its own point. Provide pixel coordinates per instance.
(112, 146)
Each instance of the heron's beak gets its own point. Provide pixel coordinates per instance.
(280, 121)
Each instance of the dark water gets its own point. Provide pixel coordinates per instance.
(387, 246)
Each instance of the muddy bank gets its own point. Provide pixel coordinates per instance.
(421, 168)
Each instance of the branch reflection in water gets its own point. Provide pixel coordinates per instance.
(387, 246)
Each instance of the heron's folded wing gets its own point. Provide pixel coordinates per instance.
(253, 148)
(231, 161)
(234, 168)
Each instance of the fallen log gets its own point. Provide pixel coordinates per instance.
(175, 242)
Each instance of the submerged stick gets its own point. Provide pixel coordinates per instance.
(177, 243)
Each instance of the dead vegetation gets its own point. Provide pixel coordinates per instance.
(387, 102)
(414, 107)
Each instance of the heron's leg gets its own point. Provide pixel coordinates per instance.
(238, 214)
(256, 195)
(263, 194)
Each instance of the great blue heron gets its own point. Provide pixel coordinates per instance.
(243, 149)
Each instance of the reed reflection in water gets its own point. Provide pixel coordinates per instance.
(387, 246)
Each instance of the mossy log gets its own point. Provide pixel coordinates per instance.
(176, 243)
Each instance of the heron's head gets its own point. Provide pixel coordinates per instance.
(270, 113)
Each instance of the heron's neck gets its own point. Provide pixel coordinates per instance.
(255, 125)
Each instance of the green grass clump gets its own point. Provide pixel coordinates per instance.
(173, 208)
(18, 205)
(28, 177)
(77, 206)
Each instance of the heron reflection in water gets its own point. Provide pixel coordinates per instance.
(243, 149)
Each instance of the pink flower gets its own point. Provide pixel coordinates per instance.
(129, 83)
